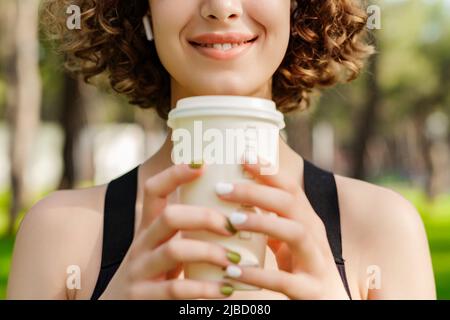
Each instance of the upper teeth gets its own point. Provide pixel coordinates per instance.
(221, 46)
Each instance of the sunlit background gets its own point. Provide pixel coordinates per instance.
(390, 127)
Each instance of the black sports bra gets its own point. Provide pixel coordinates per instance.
(119, 215)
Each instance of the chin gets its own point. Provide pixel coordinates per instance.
(225, 92)
(225, 87)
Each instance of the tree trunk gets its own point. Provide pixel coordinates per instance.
(24, 99)
(366, 121)
(72, 120)
(425, 148)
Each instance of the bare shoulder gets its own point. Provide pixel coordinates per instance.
(60, 231)
(383, 232)
(88, 198)
(372, 206)
(66, 210)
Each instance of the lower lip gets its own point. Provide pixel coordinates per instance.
(219, 54)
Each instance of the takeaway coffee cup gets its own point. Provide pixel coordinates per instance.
(220, 131)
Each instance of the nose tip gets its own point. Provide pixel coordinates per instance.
(222, 18)
(221, 10)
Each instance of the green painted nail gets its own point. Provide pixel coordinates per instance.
(233, 257)
(230, 227)
(226, 289)
(196, 164)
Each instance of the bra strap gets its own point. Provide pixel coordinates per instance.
(118, 226)
(321, 191)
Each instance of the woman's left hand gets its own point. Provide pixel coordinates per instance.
(295, 233)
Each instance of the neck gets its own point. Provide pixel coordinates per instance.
(178, 92)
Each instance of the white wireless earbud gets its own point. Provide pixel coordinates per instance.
(148, 28)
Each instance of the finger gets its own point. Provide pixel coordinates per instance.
(166, 181)
(180, 289)
(161, 185)
(168, 256)
(293, 233)
(295, 286)
(278, 180)
(265, 197)
(178, 217)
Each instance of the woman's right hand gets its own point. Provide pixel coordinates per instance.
(156, 256)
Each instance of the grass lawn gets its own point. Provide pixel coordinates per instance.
(439, 238)
(436, 217)
(6, 246)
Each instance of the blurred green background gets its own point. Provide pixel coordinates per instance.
(389, 127)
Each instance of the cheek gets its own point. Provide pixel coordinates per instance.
(169, 18)
(273, 16)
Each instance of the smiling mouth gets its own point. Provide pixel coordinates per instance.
(222, 46)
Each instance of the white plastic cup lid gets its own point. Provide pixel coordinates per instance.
(239, 106)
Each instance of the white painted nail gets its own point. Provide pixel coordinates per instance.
(249, 261)
(238, 218)
(233, 271)
(223, 188)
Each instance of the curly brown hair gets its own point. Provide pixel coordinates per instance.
(327, 45)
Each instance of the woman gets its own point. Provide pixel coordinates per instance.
(123, 237)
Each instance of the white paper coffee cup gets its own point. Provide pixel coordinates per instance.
(219, 131)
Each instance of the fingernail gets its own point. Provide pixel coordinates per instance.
(238, 218)
(233, 271)
(230, 227)
(226, 289)
(223, 188)
(233, 256)
(196, 164)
